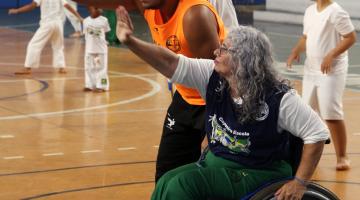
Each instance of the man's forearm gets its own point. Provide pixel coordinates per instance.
(301, 45)
(344, 44)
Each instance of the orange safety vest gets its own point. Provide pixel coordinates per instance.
(171, 36)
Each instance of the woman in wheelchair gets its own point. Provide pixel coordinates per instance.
(250, 109)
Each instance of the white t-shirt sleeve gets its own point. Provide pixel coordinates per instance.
(107, 25)
(342, 22)
(305, 21)
(300, 120)
(193, 73)
(38, 2)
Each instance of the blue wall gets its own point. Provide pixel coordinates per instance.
(249, 2)
(13, 3)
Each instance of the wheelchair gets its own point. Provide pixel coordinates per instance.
(313, 191)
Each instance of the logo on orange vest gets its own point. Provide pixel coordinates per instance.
(173, 43)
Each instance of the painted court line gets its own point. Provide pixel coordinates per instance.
(357, 134)
(6, 136)
(13, 157)
(126, 148)
(156, 146)
(155, 89)
(53, 154)
(91, 151)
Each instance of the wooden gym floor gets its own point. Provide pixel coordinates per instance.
(58, 142)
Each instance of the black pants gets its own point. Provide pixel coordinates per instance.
(182, 135)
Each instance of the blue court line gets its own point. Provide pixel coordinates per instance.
(45, 85)
(89, 188)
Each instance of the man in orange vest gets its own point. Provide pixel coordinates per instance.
(194, 29)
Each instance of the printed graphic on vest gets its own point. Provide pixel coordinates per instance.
(96, 32)
(264, 113)
(173, 43)
(237, 142)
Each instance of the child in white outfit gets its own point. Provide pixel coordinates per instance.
(51, 28)
(328, 34)
(96, 51)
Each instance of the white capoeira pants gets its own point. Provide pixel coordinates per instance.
(72, 18)
(49, 31)
(96, 67)
(324, 94)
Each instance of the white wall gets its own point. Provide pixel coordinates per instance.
(291, 11)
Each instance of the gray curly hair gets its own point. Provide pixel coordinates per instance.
(252, 70)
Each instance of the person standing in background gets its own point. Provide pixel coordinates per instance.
(51, 29)
(96, 51)
(327, 35)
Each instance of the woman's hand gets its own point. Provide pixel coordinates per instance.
(292, 190)
(124, 28)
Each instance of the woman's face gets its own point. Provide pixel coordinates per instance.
(223, 63)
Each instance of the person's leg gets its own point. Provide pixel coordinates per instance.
(34, 48)
(338, 135)
(183, 132)
(88, 62)
(102, 78)
(309, 92)
(330, 98)
(57, 44)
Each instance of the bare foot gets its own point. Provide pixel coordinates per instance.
(25, 71)
(87, 89)
(343, 164)
(98, 90)
(62, 71)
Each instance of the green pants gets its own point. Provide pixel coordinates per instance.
(111, 35)
(216, 178)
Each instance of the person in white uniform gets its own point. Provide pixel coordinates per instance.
(96, 51)
(51, 29)
(74, 21)
(328, 34)
(226, 10)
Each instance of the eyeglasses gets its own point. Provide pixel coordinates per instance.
(222, 50)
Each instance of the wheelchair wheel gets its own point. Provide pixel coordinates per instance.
(314, 192)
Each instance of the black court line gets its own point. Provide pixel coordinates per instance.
(79, 167)
(45, 85)
(88, 188)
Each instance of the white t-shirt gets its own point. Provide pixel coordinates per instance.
(294, 115)
(51, 10)
(324, 31)
(226, 11)
(94, 30)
